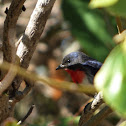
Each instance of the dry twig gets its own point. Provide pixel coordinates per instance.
(27, 115)
(19, 95)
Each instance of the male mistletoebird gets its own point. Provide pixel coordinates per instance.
(79, 65)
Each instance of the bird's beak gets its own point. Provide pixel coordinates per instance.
(60, 67)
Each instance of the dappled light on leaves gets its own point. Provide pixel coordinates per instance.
(111, 79)
(89, 28)
(101, 3)
(114, 7)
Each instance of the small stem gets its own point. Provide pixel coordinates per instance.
(119, 24)
(27, 115)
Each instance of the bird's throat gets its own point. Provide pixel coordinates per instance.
(76, 75)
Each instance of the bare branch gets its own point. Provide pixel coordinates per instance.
(29, 40)
(90, 109)
(9, 30)
(33, 31)
(19, 95)
(87, 118)
(27, 115)
(96, 119)
(9, 49)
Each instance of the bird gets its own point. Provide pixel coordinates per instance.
(80, 66)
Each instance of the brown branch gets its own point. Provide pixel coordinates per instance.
(9, 49)
(96, 119)
(9, 29)
(19, 95)
(90, 109)
(33, 31)
(30, 38)
(5, 83)
(27, 115)
(87, 118)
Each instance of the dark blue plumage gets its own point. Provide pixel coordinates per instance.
(78, 61)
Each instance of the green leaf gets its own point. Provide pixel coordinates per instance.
(101, 3)
(11, 124)
(118, 9)
(88, 27)
(69, 120)
(111, 79)
(115, 7)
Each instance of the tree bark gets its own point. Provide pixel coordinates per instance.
(24, 48)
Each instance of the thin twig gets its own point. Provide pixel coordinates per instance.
(85, 88)
(27, 115)
(19, 95)
(119, 25)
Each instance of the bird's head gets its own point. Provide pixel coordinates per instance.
(78, 64)
(72, 61)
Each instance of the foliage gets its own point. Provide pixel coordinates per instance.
(14, 123)
(111, 79)
(89, 28)
(94, 30)
(115, 7)
(102, 3)
(64, 121)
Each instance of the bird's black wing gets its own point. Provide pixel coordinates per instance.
(91, 67)
(93, 63)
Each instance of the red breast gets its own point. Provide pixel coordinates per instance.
(76, 75)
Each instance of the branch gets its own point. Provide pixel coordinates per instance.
(5, 83)
(21, 72)
(9, 49)
(96, 119)
(19, 95)
(87, 118)
(33, 31)
(29, 40)
(27, 115)
(90, 108)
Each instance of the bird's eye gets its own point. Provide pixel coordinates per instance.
(68, 61)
